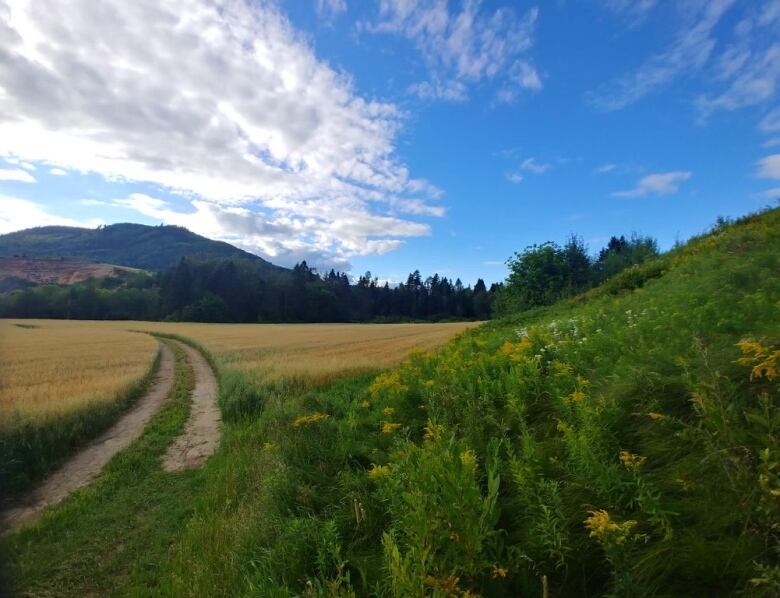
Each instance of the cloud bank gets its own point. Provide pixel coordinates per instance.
(223, 103)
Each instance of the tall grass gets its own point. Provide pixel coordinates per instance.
(625, 443)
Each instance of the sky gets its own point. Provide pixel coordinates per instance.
(390, 135)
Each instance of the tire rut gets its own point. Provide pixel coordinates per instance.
(86, 464)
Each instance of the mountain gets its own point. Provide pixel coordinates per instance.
(134, 245)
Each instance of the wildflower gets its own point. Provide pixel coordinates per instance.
(448, 584)
(656, 416)
(268, 446)
(388, 411)
(468, 458)
(577, 396)
(631, 461)
(378, 471)
(312, 418)
(390, 427)
(433, 431)
(764, 360)
(561, 426)
(499, 572)
(365, 404)
(603, 527)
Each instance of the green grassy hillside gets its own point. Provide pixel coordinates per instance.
(134, 245)
(621, 443)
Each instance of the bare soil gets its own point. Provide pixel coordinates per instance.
(80, 469)
(201, 433)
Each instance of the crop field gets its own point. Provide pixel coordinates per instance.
(50, 368)
(312, 352)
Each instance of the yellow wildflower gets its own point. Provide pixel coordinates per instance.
(365, 404)
(562, 426)
(312, 418)
(499, 572)
(656, 416)
(388, 411)
(390, 427)
(269, 446)
(378, 471)
(468, 458)
(603, 527)
(764, 360)
(433, 431)
(577, 396)
(631, 461)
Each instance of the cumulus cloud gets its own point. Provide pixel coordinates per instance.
(463, 45)
(691, 49)
(221, 102)
(16, 175)
(663, 183)
(57, 172)
(769, 167)
(18, 214)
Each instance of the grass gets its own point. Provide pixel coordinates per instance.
(110, 535)
(622, 443)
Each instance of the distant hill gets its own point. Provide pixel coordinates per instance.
(134, 245)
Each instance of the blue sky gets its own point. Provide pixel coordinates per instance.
(390, 135)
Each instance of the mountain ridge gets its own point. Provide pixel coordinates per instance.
(125, 244)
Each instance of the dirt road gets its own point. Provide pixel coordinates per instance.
(201, 433)
(80, 469)
(191, 449)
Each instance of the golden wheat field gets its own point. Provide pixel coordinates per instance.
(49, 367)
(316, 352)
(52, 366)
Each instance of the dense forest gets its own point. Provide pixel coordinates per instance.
(242, 290)
(233, 291)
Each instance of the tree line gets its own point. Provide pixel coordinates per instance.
(232, 290)
(546, 273)
(236, 290)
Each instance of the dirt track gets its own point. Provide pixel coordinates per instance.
(201, 433)
(80, 469)
(191, 449)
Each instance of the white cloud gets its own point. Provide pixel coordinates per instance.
(605, 168)
(773, 193)
(451, 90)
(774, 141)
(17, 175)
(769, 167)
(662, 183)
(514, 177)
(19, 214)
(463, 47)
(771, 121)
(531, 165)
(329, 9)
(690, 51)
(58, 172)
(223, 103)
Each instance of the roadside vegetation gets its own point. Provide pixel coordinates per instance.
(623, 441)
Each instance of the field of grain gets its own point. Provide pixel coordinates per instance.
(50, 367)
(316, 352)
